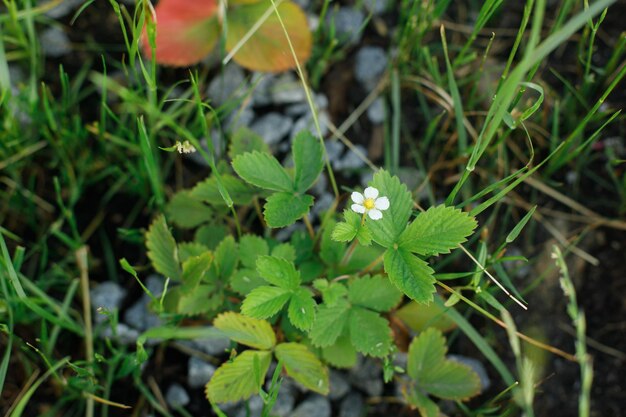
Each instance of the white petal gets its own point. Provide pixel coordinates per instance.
(375, 214)
(382, 203)
(358, 208)
(357, 197)
(371, 192)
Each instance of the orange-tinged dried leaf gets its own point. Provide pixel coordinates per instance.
(268, 49)
(186, 31)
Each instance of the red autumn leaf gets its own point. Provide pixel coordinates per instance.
(267, 49)
(187, 31)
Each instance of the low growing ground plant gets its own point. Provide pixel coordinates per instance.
(323, 294)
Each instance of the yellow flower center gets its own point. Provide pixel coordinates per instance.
(369, 203)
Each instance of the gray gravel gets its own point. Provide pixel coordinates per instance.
(313, 406)
(477, 366)
(352, 406)
(339, 385)
(176, 396)
(108, 295)
(229, 84)
(272, 127)
(54, 42)
(376, 111)
(348, 23)
(199, 372)
(367, 376)
(369, 66)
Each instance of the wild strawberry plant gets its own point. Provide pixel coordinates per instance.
(187, 31)
(324, 296)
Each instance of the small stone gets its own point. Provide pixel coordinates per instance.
(376, 111)
(176, 396)
(287, 89)
(298, 109)
(262, 82)
(229, 84)
(352, 161)
(54, 42)
(240, 118)
(319, 188)
(217, 147)
(334, 149)
(107, 295)
(272, 127)
(306, 122)
(369, 66)
(367, 376)
(140, 317)
(348, 24)
(63, 8)
(377, 7)
(313, 406)
(339, 386)
(199, 372)
(286, 399)
(212, 346)
(323, 203)
(123, 334)
(304, 4)
(352, 406)
(477, 366)
(254, 409)
(155, 284)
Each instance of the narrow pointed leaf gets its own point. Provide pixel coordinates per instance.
(162, 249)
(410, 274)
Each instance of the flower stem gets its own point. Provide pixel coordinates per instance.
(373, 264)
(309, 226)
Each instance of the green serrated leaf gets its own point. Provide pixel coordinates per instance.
(226, 257)
(352, 228)
(301, 310)
(303, 366)
(263, 170)
(426, 406)
(437, 230)
(278, 271)
(195, 268)
(188, 250)
(376, 293)
(410, 274)
(162, 249)
(329, 323)
(387, 230)
(239, 191)
(331, 292)
(245, 280)
(369, 332)
(201, 300)
(265, 301)
(187, 211)
(234, 381)
(451, 381)
(285, 251)
(246, 330)
(284, 209)
(210, 235)
(341, 354)
(308, 157)
(250, 248)
(245, 140)
(421, 316)
(433, 373)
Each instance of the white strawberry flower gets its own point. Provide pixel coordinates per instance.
(370, 203)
